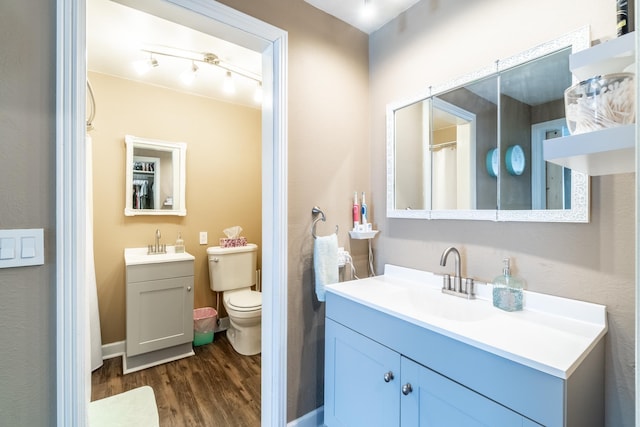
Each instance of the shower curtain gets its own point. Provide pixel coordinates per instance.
(91, 291)
(444, 191)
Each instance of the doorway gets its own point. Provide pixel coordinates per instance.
(73, 373)
(550, 183)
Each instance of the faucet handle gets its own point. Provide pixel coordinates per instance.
(446, 282)
(468, 285)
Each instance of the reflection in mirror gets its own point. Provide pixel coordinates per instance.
(533, 94)
(155, 177)
(412, 136)
(472, 148)
(469, 116)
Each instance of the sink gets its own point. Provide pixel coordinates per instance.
(136, 256)
(460, 310)
(419, 299)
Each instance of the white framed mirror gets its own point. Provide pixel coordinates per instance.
(155, 177)
(471, 148)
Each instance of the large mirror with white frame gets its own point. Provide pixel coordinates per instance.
(155, 177)
(472, 148)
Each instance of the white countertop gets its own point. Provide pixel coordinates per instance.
(137, 256)
(551, 334)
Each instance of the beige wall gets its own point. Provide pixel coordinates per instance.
(223, 181)
(592, 262)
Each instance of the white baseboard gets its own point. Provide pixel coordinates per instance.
(314, 418)
(111, 350)
(116, 349)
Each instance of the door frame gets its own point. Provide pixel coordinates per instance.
(73, 376)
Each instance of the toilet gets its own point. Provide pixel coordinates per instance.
(232, 271)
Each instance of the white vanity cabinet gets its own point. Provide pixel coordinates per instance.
(159, 309)
(398, 358)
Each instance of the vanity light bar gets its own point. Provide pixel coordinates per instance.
(202, 57)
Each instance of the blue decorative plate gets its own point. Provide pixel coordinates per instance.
(515, 160)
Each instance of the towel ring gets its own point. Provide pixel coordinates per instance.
(315, 211)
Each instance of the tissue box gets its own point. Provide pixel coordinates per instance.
(227, 242)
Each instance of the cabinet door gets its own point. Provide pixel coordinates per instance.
(361, 380)
(159, 314)
(436, 401)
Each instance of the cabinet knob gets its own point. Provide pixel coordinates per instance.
(188, 288)
(388, 376)
(406, 389)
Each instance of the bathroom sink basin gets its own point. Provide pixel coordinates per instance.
(421, 300)
(136, 256)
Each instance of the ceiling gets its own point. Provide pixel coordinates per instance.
(116, 34)
(350, 11)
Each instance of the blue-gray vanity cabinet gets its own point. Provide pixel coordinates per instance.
(371, 385)
(435, 401)
(453, 383)
(361, 380)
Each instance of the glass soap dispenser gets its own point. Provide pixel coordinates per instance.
(507, 290)
(179, 244)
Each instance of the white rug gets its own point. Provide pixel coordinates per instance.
(133, 408)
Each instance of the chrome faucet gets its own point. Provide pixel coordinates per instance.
(157, 248)
(457, 280)
(457, 289)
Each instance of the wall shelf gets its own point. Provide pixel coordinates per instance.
(360, 235)
(612, 56)
(606, 151)
(602, 152)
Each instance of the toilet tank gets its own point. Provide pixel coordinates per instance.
(232, 268)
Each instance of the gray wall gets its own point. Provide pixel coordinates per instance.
(592, 262)
(27, 186)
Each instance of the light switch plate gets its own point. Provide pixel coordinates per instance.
(7, 248)
(203, 238)
(21, 247)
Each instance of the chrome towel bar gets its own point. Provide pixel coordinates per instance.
(315, 211)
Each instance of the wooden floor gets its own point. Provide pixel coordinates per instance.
(216, 387)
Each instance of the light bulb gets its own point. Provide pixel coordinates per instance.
(368, 10)
(228, 86)
(189, 75)
(143, 66)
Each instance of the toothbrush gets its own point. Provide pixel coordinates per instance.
(364, 210)
(356, 211)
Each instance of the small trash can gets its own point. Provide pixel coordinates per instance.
(204, 323)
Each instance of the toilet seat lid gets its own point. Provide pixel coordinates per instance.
(245, 301)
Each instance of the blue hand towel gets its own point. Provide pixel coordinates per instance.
(325, 262)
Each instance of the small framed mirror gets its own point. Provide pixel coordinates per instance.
(155, 181)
